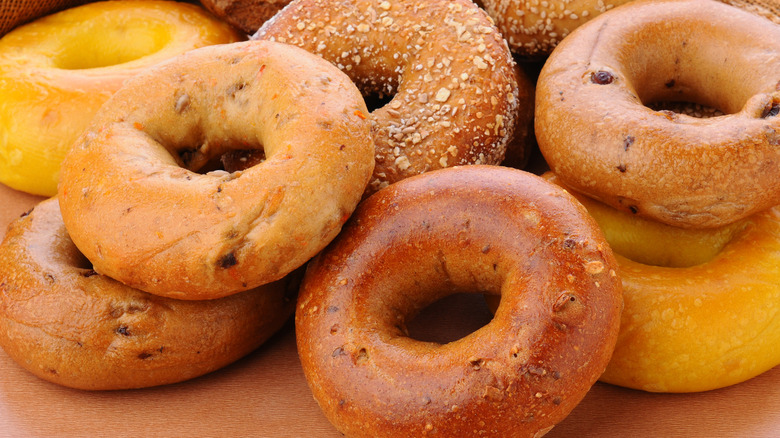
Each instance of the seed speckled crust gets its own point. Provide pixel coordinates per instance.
(453, 82)
(534, 27)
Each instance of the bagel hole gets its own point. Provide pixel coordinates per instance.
(233, 161)
(450, 318)
(691, 109)
(374, 101)
(106, 44)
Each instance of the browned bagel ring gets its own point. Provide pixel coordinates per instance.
(67, 324)
(600, 138)
(465, 229)
(454, 86)
(136, 208)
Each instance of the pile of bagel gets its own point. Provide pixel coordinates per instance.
(603, 172)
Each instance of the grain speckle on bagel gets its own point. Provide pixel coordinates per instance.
(533, 28)
(600, 130)
(448, 73)
(138, 209)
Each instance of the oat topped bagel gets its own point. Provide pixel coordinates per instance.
(135, 205)
(534, 28)
(447, 69)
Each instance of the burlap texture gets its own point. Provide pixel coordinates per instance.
(16, 12)
(766, 8)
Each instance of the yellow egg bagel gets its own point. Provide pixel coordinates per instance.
(702, 306)
(57, 71)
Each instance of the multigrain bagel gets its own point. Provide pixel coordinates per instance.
(453, 82)
(136, 208)
(597, 135)
(533, 28)
(67, 324)
(57, 71)
(465, 229)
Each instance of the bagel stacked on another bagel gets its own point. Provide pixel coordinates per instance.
(144, 272)
(67, 324)
(135, 169)
(691, 200)
(597, 135)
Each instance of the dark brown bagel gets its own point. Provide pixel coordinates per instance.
(245, 15)
(465, 229)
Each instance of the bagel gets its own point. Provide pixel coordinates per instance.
(533, 28)
(135, 207)
(57, 71)
(451, 81)
(486, 229)
(597, 135)
(245, 15)
(67, 324)
(701, 305)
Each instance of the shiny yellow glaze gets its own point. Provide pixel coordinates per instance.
(57, 71)
(711, 323)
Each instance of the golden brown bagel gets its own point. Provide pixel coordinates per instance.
(67, 324)
(135, 207)
(700, 304)
(465, 229)
(598, 136)
(455, 97)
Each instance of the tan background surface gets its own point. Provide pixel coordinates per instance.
(265, 395)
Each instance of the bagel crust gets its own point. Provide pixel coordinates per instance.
(706, 326)
(67, 324)
(455, 94)
(136, 208)
(597, 135)
(534, 28)
(245, 15)
(478, 229)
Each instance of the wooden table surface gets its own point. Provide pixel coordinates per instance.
(265, 395)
